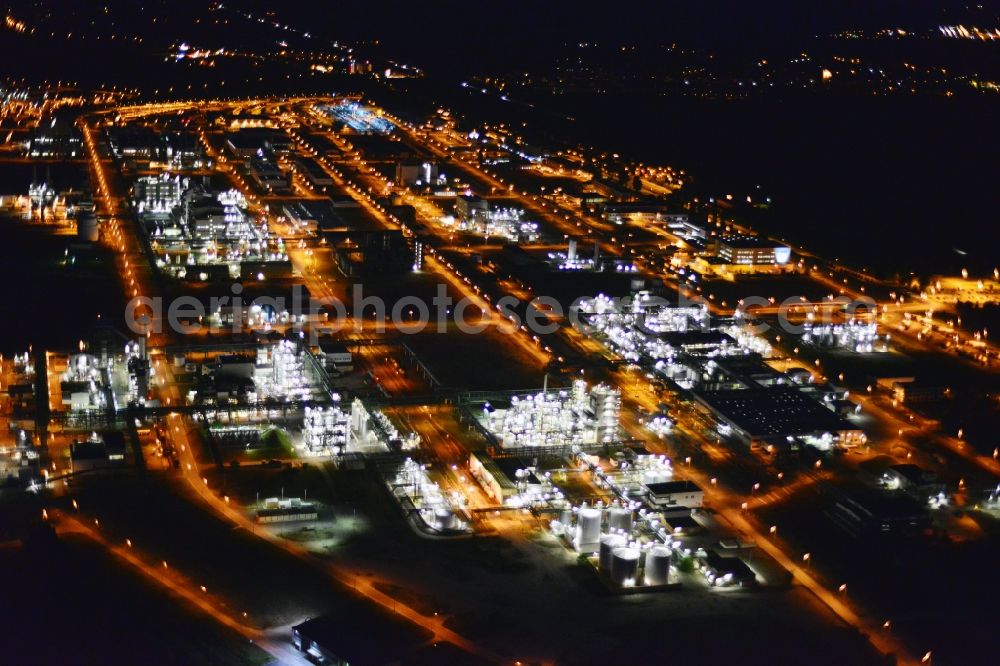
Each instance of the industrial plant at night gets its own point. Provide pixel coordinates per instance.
(441, 335)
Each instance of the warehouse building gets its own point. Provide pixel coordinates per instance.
(775, 416)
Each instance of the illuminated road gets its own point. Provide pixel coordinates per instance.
(166, 578)
(364, 585)
(953, 444)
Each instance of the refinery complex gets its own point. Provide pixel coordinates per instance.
(321, 374)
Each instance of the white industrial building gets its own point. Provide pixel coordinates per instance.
(675, 494)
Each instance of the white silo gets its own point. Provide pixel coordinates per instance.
(657, 565)
(566, 517)
(588, 528)
(444, 518)
(625, 565)
(86, 228)
(619, 519)
(609, 542)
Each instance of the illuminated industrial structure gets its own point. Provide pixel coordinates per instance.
(641, 326)
(198, 234)
(283, 372)
(856, 336)
(557, 418)
(333, 430)
(358, 118)
(477, 216)
(572, 260)
(424, 501)
(84, 384)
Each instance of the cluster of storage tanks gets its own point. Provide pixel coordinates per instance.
(630, 564)
(626, 562)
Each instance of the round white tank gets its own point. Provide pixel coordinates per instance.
(624, 565)
(609, 542)
(657, 565)
(588, 527)
(620, 519)
(445, 519)
(566, 517)
(86, 228)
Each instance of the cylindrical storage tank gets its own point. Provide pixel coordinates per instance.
(657, 565)
(558, 527)
(588, 527)
(620, 519)
(566, 517)
(609, 542)
(445, 519)
(86, 228)
(624, 565)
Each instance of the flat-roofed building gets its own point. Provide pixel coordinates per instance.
(698, 342)
(102, 451)
(470, 208)
(681, 493)
(249, 142)
(336, 355)
(315, 215)
(416, 173)
(742, 250)
(725, 571)
(873, 512)
(681, 225)
(775, 415)
(286, 510)
(313, 173)
(133, 141)
(268, 176)
(360, 633)
(634, 211)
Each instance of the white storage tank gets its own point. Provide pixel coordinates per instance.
(609, 542)
(445, 519)
(625, 565)
(657, 565)
(566, 518)
(588, 528)
(86, 227)
(619, 519)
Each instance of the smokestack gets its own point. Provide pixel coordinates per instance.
(571, 250)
